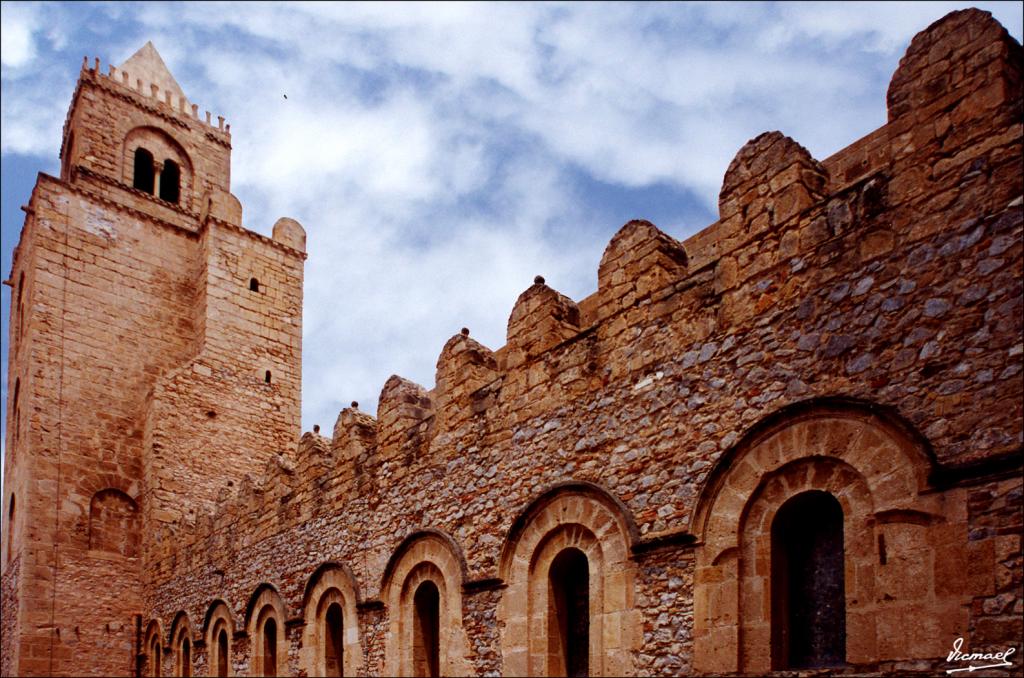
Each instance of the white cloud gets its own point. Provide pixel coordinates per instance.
(17, 44)
(430, 149)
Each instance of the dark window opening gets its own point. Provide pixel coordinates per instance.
(170, 181)
(144, 175)
(270, 648)
(19, 306)
(186, 657)
(808, 591)
(266, 377)
(16, 409)
(10, 529)
(426, 649)
(222, 653)
(254, 284)
(334, 637)
(569, 613)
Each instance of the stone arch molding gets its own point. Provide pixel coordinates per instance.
(331, 583)
(163, 146)
(587, 518)
(218, 618)
(425, 556)
(877, 469)
(266, 604)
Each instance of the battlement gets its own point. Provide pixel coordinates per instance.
(159, 96)
(838, 355)
(665, 310)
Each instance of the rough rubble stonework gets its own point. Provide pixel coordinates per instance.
(849, 331)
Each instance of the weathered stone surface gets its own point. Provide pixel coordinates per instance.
(852, 326)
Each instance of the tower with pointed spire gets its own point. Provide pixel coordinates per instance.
(154, 356)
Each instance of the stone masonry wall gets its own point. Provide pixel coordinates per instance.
(853, 325)
(886, 280)
(118, 286)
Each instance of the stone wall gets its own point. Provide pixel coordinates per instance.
(114, 292)
(865, 308)
(851, 325)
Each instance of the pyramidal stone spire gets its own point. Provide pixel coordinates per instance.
(147, 65)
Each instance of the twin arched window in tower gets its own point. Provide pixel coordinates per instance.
(163, 180)
(156, 164)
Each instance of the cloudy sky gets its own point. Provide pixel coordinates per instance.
(441, 155)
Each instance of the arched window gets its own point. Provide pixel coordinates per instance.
(422, 585)
(154, 650)
(266, 614)
(254, 285)
(808, 592)
(569, 613)
(181, 644)
(220, 627)
(222, 653)
(426, 649)
(170, 181)
(334, 638)
(330, 645)
(143, 176)
(570, 587)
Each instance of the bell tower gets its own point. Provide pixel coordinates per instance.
(155, 356)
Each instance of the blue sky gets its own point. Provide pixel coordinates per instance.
(441, 155)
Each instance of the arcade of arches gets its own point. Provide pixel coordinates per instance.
(797, 531)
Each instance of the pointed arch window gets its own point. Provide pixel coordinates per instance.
(144, 175)
(808, 589)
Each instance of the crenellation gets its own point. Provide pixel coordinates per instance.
(848, 331)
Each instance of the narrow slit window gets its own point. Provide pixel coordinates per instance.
(144, 175)
(10, 529)
(254, 284)
(266, 377)
(16, 409)
(170, 181)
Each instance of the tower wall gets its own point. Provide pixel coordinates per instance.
(123, 294)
